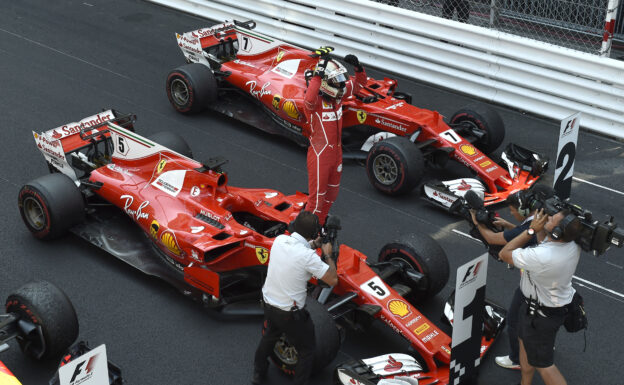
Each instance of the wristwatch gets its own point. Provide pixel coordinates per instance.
(531, 231)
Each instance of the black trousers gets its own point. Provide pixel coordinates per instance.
(299, 331)
(513, 318)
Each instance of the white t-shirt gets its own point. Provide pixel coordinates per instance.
(548, 270)
(291, 265)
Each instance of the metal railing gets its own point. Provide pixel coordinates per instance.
(497, 67)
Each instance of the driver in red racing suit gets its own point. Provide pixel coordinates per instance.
(328, 85)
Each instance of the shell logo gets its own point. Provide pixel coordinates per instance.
(276, 101)
(154, 227)
(291, 109)
(399, 308)
(468, 149)
(168, 239)
(262, 254)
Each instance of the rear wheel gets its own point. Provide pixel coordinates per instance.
(421, 253)
(191, 87)
(50, 205)
(481, 125)
(284, 355)
(172, 141)
(395, 165)
(47, 308)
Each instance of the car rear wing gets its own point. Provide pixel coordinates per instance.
(224, 42)
(58, 143)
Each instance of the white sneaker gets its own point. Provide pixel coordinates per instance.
(506, 363)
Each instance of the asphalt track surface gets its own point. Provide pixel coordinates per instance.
(63, 60)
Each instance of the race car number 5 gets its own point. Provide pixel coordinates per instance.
(376, 288)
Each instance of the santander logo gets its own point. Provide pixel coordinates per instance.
(392, 365)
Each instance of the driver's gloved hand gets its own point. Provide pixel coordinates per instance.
(354, 61)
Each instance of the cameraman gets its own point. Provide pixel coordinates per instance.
(293, 262)
(546, 286)
(522, 206)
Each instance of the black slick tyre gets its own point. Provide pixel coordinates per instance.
(172, 141)
(395, 165)
(191, 88)
(284, 355)
(50, 311)
(485, 122)
(423, 254)
(50, 205)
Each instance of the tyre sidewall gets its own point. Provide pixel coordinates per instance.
(486, 120)
(47, 306)
(423, 254)
(399, 160)
(191, 105)
(61, 201)
(29, 191)
(327, 339)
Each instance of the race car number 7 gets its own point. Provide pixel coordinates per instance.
(451, 136)
(375, 287)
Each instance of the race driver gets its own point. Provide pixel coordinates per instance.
(328, 85)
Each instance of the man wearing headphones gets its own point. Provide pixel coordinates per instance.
(546, 286)
(522, 206)
(293, 261)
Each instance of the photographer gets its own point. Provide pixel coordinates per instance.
(293, 262)
(546, 286)
(522, 206)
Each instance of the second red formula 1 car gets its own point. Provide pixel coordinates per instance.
(147, 202)
(260, 80)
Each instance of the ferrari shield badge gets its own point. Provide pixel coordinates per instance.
(361, 116)
(276, 101)
(161, 166)
(262, 254)
(280, 55)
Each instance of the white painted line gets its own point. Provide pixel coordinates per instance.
(598, 286)
(613, 264)
(574, 276)
(599, 292)
(466, 235)
(597, 185)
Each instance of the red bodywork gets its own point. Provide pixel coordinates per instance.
(262, 74)
(189, 212)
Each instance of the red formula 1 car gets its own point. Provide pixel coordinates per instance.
(260, 80)
(159, 210)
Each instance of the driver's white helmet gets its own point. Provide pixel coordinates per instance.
(335, 80)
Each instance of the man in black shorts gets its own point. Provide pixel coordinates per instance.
(546, 286)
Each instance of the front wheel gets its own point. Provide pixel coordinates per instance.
(191, 87)
(421, 253)
(50, 205)
(395, 165)
(481, 125)
(50, 311)
(284, 355)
